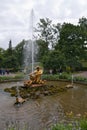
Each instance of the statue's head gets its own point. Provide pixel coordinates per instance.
(37, 67)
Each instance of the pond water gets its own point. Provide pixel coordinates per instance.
(40, 114)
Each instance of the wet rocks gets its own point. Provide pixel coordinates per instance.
(35, 91)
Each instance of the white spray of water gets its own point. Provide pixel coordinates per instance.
(17, 89)
(72, 79)
(30, 49)
(32, 31)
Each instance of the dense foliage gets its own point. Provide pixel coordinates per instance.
(68, 47)
(11, 59)
(59, 47)
(80, 124)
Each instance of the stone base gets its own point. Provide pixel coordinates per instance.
(29, 84)
(37, 85)
(19, 100)
(69, 86)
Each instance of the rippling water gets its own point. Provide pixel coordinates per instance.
(41, 113)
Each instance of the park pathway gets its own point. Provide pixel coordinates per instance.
(82, 74)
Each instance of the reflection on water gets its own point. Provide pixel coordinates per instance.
(75, 99)
(43, 112)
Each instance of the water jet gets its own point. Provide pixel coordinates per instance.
(70, 85)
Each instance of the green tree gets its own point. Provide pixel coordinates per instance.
(45, 36)
(71, 44)
(1, 57)
(12, 57)
(45, 29)
(83, 23)
(9, 50)
(10, 62)
(18, 52)
(41, 49)
(56, 32)
(54, 60)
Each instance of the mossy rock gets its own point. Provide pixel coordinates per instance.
(35, 92)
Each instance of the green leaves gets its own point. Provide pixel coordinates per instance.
(75, 125)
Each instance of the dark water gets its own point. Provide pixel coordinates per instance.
(41, 113)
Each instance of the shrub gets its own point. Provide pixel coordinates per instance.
(80, 124)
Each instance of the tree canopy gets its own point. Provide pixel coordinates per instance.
(70, 45)
(59, 46)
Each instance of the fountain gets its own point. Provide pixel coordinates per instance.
(19, 99)
(35, 78)
(42, 112)
(29, 50)
(32, 33)
(43, 104)
(70, 85)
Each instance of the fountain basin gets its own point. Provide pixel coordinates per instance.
(35, 91)
(41, 113)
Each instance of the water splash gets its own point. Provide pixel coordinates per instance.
(72, 79)
(32, 32)
(30, 49)
(17, 89)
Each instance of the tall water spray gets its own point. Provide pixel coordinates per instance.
(30, 48)
(72, 79)
(32, 31)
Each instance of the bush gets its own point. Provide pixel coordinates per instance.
(50, 77)
(75, 125)
(7, 78)
(79, 78)
(83, 124)
(64, 76)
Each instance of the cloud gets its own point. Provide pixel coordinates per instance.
(15, 16)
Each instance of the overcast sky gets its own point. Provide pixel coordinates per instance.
(15, 16)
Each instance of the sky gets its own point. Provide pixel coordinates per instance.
(16, 16)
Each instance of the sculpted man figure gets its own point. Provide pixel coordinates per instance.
(35, 77)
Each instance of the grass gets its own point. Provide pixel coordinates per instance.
(80, 124)
(65, 76)
(11, 77)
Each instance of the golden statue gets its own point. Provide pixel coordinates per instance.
(35, 77)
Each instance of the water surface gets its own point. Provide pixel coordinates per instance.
(43, 112)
